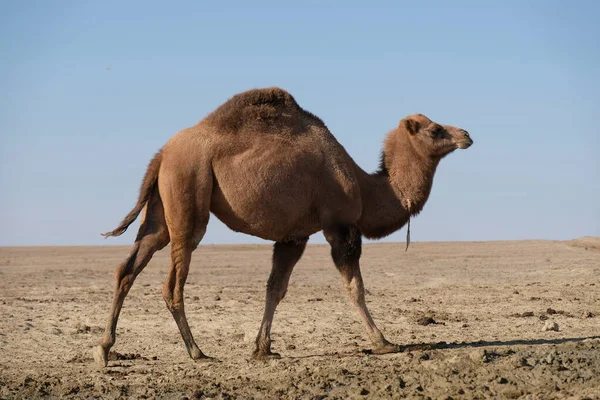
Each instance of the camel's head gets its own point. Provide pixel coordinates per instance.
(432, 138)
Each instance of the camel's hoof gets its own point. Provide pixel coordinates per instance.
(265, 355)
(386, 348)
(198, 355)
(100, 356)
(202, 357)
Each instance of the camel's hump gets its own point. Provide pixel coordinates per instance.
(254, 97)
(263, 109)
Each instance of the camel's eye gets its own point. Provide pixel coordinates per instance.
(437, 131)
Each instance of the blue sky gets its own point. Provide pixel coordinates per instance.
(91, 89)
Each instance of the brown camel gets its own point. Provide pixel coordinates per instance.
(266, 167)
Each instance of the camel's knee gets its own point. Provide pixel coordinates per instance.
(276, 289)
(173, 302)
(124, 272)
(125, 282)
(167, 294)
(355, 289)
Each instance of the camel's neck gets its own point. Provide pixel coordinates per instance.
(399, 190)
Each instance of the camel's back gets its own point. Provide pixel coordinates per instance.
(262, 111)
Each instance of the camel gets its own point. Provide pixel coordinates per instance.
(266, 167)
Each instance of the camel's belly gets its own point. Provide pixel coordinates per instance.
(280, 220)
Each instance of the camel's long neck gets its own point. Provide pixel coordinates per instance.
(398, 191)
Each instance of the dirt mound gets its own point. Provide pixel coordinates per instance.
(586, 242)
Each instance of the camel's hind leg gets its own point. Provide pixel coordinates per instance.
(181, 255)
(187, 217)
(285, 257)
(152, 236)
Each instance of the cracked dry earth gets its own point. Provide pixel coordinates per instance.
(471, 316)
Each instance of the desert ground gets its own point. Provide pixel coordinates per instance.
(470, 316)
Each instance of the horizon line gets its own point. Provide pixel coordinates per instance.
(316, 244)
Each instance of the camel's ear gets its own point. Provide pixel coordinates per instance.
(411, 125)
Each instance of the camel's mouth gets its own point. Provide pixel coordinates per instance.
(464, 144)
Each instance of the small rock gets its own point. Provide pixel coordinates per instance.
(72, 390)
(502, 381)
(527, 314)
(515, 292)
(425, 357)
(217, 297)
(465, 325)
(550, 311)
(522, 362)
(550, 357)
(290, 347)
(477, 355)
(426, 321)
(588, 314)
(364, 392)
(550, 326)
(315, 299)
(195, 298)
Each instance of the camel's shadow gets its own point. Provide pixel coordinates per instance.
(444, 345)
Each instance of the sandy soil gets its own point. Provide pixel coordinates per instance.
(473, 313)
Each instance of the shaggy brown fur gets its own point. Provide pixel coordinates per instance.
(268, 168)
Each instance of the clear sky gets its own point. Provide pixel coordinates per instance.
(91, 89)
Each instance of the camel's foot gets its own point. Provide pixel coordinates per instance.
(386, 348)
(263, 355)
(197, 355)
(100, 355)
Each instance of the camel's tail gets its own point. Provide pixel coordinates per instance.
(148, 185)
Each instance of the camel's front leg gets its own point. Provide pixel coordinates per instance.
(345, 250)
(285, 257)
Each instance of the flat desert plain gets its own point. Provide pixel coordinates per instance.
(469, 315)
